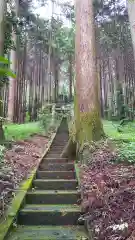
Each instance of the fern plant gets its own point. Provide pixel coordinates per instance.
(4, 68)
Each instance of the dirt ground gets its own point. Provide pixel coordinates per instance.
(17, 164)
(108, 196)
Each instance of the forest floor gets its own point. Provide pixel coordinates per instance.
(108, 185)
(16, 163)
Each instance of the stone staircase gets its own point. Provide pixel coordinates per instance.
(50, 211)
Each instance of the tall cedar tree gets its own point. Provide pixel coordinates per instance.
(87, 107)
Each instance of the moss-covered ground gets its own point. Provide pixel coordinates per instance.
(123, 139)
(127, 131)
(22, 131)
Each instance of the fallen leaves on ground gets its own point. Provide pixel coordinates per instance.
(108, 196)
(18, 163)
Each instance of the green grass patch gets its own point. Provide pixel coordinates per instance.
(22, 131)
(128, 131)
(124, 141)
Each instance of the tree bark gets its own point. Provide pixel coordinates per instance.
(3, 5)
(87, 109)
(2, 18)
(131, 15)
(12, 81)
(70, 77)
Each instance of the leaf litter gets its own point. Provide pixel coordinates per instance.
(108, 195)
(18, 162)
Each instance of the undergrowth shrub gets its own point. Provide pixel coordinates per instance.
(2, 152)
(44, 116)
(126, 152)
(72, 130)
(27, 117)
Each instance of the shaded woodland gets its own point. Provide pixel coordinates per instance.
(38, 48)
(89, 63)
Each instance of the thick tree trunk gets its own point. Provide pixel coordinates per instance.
(87, 109)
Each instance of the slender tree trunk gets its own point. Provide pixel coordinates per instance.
(131, 15)
(3, 5)
(2, 18)
(12, 82)
(14, 55)
(70, 77)
(87, 109)
(56, 84)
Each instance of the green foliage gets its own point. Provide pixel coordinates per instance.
(6, 73)
(127, 134)
(44, 116)
(27, 117)
(4, 60)
(21, 131)
(124, 140)
(72, 130)
(2, 152)
(65, 41)
(126, 152)
(4, 69)
(122, 110)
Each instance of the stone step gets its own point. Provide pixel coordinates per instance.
(55, 160)
(55, 184)
(51, 197)
(53, 155)
(56, 167)
(59, 142)
(54, 152)
(49, 215)
(55, 174)
(57, 147)
(49, 233)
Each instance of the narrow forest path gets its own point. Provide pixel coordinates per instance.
(50, 211)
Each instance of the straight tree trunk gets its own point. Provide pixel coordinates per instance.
(3, 5)
(131, 15)
(87, 109)
(12, 82)
(70, 77)
(12, 99)
(56, 83)
(2, 18)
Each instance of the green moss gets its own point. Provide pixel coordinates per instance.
(22, 131)
(49, 233)
(90, 127)
(128, 131)
(15, 206)
(13, 209)
(87, 126)
(77, 170)
(51, 208)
